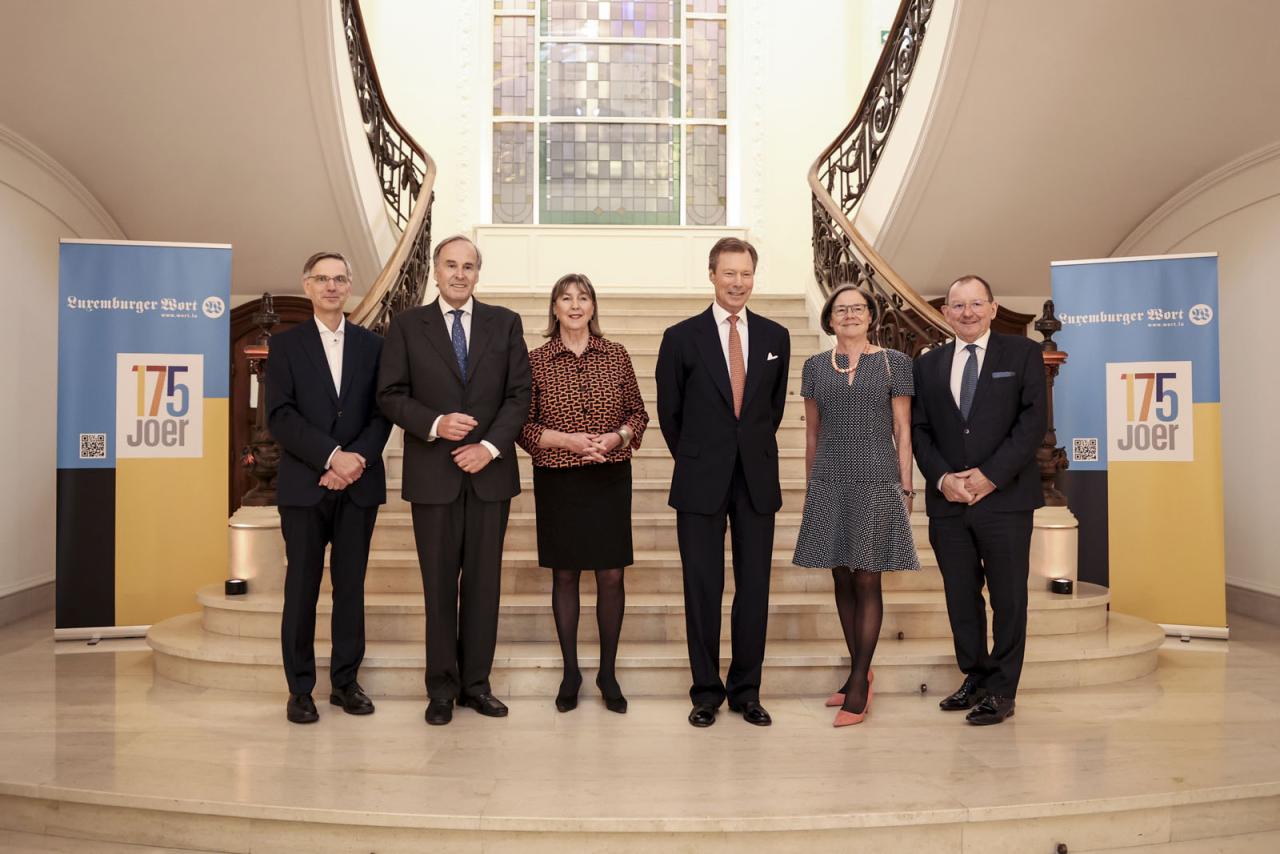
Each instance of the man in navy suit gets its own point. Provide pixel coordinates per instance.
(321, 398)
(455, 376)
(722, 386)
(977, 419)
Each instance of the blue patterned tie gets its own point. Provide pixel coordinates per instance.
(969, 381)
(460, 342)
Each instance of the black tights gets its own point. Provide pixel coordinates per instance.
(611, 597)
(861, 609)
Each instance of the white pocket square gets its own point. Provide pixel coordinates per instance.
(770, 357)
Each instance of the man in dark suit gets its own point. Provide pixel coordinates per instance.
(722, 385)
(977, 419)
(455, 376)
(321, 389)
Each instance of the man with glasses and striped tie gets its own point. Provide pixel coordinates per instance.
(977, 419)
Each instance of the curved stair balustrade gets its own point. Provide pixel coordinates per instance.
(839, 179)
(407, 174)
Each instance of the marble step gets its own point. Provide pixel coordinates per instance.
(653, 460)
(651, 616)
(643, 359)
(649, 386)
(648, 495)
(1125, 649)
(650, 530)
(616, 322)
(650, 337)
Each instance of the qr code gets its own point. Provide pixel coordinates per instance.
(1084, 450)
(93, 446)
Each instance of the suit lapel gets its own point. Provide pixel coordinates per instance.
(946, 356)
(481, 336)
(438, 335)
(757, 352)
(349, 357)
(708, 338)
(314, 349)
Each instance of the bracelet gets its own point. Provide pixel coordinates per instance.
(907, 493)
(624, 433)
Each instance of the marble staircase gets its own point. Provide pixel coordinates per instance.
(232, 642)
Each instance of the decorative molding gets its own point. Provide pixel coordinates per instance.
(1194, 190)
(38, 596)
(1253, 586)
(321, 41)
(32, 153)
(16, 587)
(1246, 600)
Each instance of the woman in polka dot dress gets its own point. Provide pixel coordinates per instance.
(858, 459)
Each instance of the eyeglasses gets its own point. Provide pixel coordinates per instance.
(324, 280)
(843, 310)
(972, 305)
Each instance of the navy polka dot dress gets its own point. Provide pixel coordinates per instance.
(853, 510)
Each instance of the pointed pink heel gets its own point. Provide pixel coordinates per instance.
(837, 699)
(844, 718)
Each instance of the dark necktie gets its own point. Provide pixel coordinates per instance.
(969, 381)
(459, 342)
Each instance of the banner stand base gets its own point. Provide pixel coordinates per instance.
(92, 634)
(1175, 630)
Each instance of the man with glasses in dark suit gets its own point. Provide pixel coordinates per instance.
(977, 419)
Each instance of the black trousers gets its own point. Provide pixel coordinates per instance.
(460, 555)
(701, 538)
(307, 530)
(980, 546)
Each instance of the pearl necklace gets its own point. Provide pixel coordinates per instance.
(853, 363)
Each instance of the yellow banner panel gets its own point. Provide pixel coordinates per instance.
(171, 527)
(1167, 538)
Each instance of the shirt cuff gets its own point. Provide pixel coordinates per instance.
(431, 434)
(329, 462)
(490, 448)
(940, 480)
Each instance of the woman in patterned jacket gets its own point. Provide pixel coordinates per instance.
(585, 419)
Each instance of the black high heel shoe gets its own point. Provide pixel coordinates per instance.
(567, 698)
(614, 701)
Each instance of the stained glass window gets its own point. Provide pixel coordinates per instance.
(622, 121)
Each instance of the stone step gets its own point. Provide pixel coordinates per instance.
(616, 321)
(1125, 649)
(675, 304)
(653, 460)
(647, 495)
(643, 359)
(650, 530)
(652, 616)
(649, 386)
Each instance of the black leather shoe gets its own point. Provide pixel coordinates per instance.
(353, 699)
(486, 704)
(567, 696)
(439, 712)
(614, 701)
(702, 715)
(992, 710)
(966, 696)
(752, 712)
(301, 709)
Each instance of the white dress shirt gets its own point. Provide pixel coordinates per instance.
(467, 309)
(332, 341)
(722, 326)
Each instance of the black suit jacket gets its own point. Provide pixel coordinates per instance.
(1005, 427)
(695, 409)
(420, 381)
(308, 418)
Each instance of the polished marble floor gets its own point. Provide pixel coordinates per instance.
(80, 718)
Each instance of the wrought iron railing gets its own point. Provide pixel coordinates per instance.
(839, 179)
(407, 174)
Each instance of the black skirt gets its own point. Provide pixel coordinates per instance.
(584, 516)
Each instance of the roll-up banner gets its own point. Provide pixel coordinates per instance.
(1138, 406)
(142, 431)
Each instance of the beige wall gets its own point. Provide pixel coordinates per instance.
(40, 203)
(1235, 211)
(785, 76)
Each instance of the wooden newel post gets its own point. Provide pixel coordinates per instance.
(1051, 458)
(261, 457)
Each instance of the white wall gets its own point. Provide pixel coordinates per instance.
(796, 75)
(1235, 211)
(39, 204)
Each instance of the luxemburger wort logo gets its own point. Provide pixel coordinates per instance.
(159, 405)
(1156, 400)
(152, 428)
(1149, 408)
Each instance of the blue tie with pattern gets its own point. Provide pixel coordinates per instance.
(459, 342)
(969, 381)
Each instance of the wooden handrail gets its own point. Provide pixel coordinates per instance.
(841, 252)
